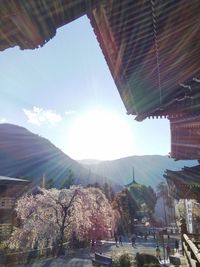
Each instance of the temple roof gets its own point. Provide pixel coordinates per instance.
(184, 183)
(5, 179)
(30, 24)
(188, 175)
(133, 182)
(13, 187)
(152, 50)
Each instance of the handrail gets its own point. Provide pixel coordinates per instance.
(190, 248)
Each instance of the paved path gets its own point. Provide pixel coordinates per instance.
(83, 258)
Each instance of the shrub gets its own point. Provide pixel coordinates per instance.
(124, 260)
(146, 260)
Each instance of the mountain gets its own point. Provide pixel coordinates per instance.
(89, 161)
(24, 154)
(148, 170)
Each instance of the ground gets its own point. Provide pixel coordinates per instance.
(82, 258)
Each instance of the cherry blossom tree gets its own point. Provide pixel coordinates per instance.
(53, 216)
(102, 217)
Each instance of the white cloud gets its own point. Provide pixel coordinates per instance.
(39, 116)
(3, 120)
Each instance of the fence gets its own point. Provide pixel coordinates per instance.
(16, 258)
(5, 230)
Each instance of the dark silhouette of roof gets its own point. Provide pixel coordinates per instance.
(10, 179)
(30, 24)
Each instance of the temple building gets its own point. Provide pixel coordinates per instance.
(151, 48)
(10, 190)
(185, 185)
(133, 180)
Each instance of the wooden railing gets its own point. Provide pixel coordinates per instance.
(23, 257)
(191, 252)
(5, 229)
(30, 256)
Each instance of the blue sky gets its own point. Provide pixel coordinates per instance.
(64, 92)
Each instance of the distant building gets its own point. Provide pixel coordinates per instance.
(132, 182)
(10, 190)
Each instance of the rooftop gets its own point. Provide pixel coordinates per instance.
(10, 179)
(151, 48)
(185, 183)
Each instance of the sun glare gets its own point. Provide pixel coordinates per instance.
(100, 135)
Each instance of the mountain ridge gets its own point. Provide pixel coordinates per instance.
(25, 154)
(148, 169)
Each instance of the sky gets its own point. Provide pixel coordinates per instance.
(64, 92)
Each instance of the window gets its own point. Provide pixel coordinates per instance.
(6, 203)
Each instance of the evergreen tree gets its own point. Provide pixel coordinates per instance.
(67, 182)
(50, 183)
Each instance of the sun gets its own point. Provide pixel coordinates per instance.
(100, 134)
